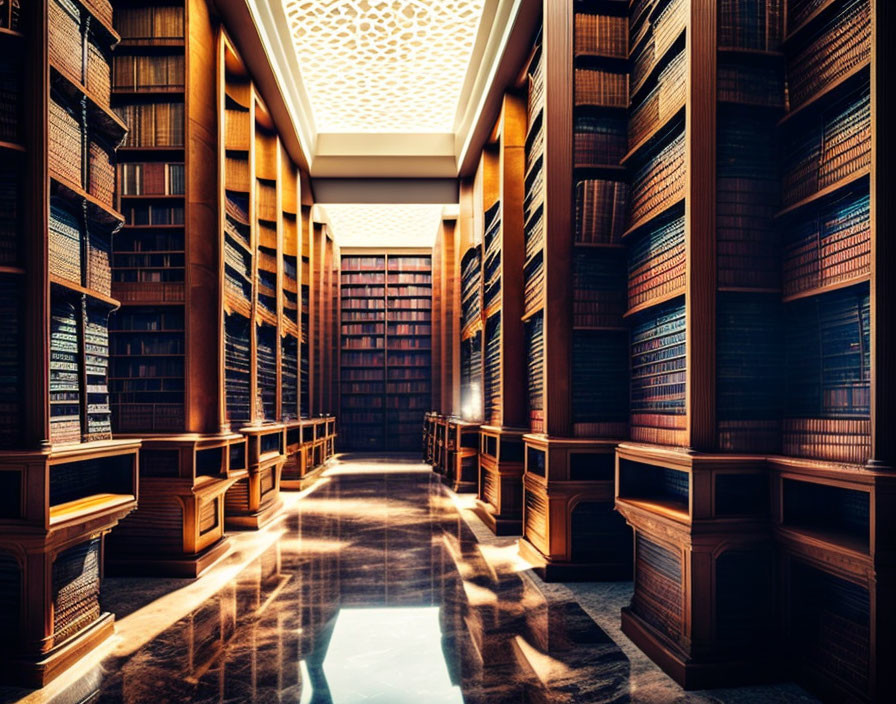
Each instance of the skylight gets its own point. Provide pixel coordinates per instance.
(384, 65)
(367, 225)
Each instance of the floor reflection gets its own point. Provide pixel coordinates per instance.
(374, 591)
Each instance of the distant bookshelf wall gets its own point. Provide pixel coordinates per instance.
(385, 340)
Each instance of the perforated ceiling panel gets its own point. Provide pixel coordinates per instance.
(385, 225)
(387, 66)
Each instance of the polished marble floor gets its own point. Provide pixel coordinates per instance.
(376, 586)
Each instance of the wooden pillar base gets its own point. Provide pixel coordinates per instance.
(500, 496)
(253, 521)
(186, 565)
(38, 672)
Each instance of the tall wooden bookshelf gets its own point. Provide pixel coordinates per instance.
(385, 347)
(499, 194)
(575, 337)
(750, 477)
(65, 481)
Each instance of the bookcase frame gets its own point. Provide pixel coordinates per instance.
(35, 531)
(384, 337)
(550, 499)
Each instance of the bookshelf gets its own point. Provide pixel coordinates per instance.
(763, 303)
(385, 347)
(575, 337)
(498, 223)
(66, 481)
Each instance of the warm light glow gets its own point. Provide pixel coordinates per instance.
(367, 225)
(383, 65)
(472, 403)
(390, 655)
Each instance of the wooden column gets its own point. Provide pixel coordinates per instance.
(36, 194)
(511, 169)
(557, 50)
(883, 246)
(700, 221)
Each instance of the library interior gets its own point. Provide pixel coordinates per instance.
(484, 351)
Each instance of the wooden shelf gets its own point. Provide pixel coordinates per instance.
(805, 108)
(647, 219)
(816, 15)
(826, 288)
(824, 193)
(77, 288)
(656, 131)
(12, 147)
(645, 305)
(99, 113)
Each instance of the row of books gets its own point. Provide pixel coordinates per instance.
(828, 355)
(65, 369)
(535, 371)
(414, 303)
(363, 359)
(409, 263)
(598, 280)
(363, 329)
(266, 201)
(351, 263)
(470, 286)
(760, 85)
(364, 342)
(409, 329)
(409, 278)
(492, 370)
(65, 141)
(150, 22)
(751, 24)
(148, 73)
(600, 210)
(660, 181)
(96, 367)
(598, 140)
(266, 371)
(410, 290)
(147, 214)
(99, 262)
(748, 370)
(10, 102)
(149, 275)
(64, 246)
(153, 124)
(11, 369)
(599, 391)
(601, 88)
(661, 103)
(171, 343)
(471, 373)
(652, 40)
(600, 35)
(831, 245)
(151, 179)
(533, 275)
(364, 279)
(656, 261)
(237, 368)
(236, 172)
(834, 145)
(837, 47)
(363, 304)
(10, 213)
(658, 373)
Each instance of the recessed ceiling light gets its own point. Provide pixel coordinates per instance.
(384, 65)
(375, 225)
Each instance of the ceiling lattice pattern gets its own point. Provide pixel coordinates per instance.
(383, 65)
(367, 225)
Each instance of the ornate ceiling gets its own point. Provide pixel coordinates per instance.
(374, 225)
(381, 66)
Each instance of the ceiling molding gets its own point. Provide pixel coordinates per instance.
(383, 190)
(261, 32)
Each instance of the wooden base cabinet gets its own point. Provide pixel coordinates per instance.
(57, 507)
(837, 577)
(500, 502)
(252, 502)
(178, 528)
(570, 528)
(461, 451)
(704, 561)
